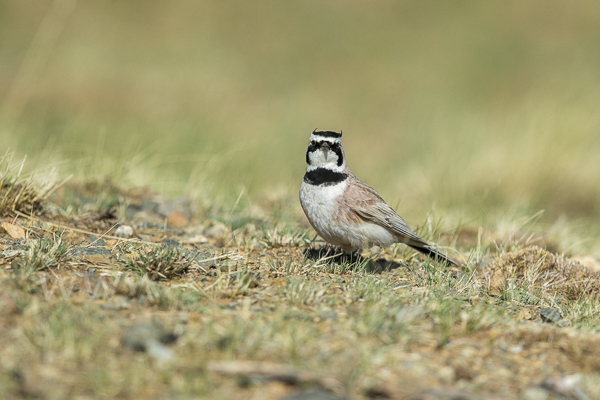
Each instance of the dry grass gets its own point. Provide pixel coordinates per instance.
(274, 316)
(19, 193)
(539, 269)
(159, 263)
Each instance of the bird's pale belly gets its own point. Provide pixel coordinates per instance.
(321, 206)
(325, 213)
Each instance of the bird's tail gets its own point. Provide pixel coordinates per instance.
(434, 254)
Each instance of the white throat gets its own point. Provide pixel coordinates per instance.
(324, 159)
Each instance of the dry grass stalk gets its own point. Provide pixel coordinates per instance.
(18, 194)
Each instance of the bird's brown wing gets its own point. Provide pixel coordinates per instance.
(364, 201)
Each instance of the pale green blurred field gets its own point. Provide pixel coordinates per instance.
(478, 110)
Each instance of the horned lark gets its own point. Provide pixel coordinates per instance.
(345, 211)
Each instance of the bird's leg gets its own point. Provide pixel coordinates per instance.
(375, 252)
(348, 254)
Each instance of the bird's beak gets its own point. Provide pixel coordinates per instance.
(325, 149)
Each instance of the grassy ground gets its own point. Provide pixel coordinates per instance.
(478, 122)
(197, 308)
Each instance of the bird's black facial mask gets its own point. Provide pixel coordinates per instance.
(325, 154)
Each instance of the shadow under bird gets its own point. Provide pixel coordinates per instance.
(347, 212)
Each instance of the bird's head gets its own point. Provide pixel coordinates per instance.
(325, 151)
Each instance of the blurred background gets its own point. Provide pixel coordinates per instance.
(469, 108)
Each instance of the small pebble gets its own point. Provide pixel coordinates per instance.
(217, 230)
(86, 251)
(327, 314)
(94, 240)
(535, 393)
(124, 231)
(566, 386)
(549, 314)
(150, 338)
(516, 349)
(313, 394)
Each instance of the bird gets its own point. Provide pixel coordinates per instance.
(347, 212)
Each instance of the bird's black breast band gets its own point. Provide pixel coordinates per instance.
(324, 177)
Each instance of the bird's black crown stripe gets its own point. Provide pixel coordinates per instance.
(330, 134)
(324, 176)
